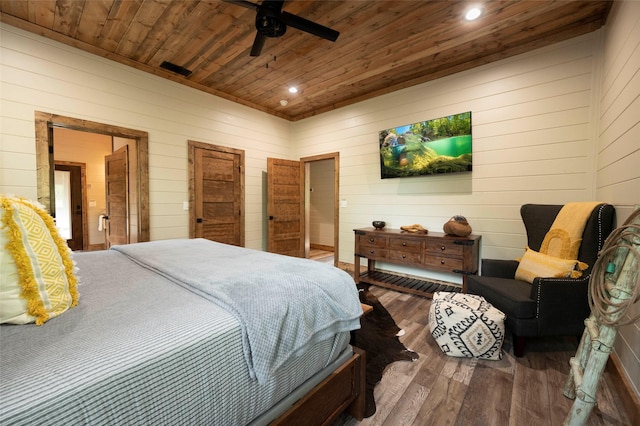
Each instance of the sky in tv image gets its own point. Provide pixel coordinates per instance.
(441, 145)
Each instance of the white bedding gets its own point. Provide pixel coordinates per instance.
(283, 304)
(139, 349)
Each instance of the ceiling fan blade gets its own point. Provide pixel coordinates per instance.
(244, 3)
(275, 4)
(258, 44)
(309, 26)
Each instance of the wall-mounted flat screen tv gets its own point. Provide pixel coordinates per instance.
(441, 145)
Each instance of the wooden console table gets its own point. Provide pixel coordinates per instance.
(433, 251)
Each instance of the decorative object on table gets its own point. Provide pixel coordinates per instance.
(466, 325)
(378, 337)
(415, 228)
(379, 224)
(458, 226)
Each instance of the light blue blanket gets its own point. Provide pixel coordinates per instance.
(284, 304)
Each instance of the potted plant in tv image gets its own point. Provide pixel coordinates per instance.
(441, 145)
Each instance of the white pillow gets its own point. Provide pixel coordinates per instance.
(37, 279)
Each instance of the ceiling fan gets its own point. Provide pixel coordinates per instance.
(271, 21)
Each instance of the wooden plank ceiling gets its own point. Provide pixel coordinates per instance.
(383, 45)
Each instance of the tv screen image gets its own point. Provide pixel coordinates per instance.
(441, 145)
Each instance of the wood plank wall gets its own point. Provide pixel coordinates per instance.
(533, 142)
(43, 75)
(618, 179)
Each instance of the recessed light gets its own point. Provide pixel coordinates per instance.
(293, 89)
(284, 102)
(473, 14)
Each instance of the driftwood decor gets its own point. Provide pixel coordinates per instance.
(613, 288)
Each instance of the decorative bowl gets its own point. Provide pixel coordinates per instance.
(378, 224)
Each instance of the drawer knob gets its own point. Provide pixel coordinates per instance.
(442, 248)
(404, 244)
(442, 262)
(371, 252)
(404, 256)
(371, 240)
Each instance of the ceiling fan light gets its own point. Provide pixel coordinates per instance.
(272, 21)
(270, 26)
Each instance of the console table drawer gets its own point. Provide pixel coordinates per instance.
(372, 241)
(405, 256)
(443, 262)
(405, 245)
(372, 252)
(443, 247)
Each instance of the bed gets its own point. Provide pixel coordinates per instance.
(188, 332)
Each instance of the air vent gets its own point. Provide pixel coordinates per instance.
(175, 68)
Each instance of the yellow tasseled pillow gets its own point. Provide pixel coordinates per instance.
(37, 280)
(534, 264)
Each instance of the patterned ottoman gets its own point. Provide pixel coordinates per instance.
(466, 325)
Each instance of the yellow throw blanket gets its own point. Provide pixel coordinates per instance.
(565, 236)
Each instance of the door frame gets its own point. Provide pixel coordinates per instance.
(192, 146)
(44, 124)
(336, 197)
(85, 208)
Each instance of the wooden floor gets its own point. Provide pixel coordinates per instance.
(321, 256)
(442, 390)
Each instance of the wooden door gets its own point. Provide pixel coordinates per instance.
(218, 194)
(285, 207)
(117, 193)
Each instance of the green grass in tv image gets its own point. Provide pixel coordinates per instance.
(442, 145)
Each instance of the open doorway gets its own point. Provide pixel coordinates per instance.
(288, 218)
(47, 125)
(321, 182)
(71, 148)
(107, 216)
(71, 203)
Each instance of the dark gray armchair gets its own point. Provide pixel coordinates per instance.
(548, 306)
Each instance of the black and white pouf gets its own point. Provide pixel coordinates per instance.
(466, 325)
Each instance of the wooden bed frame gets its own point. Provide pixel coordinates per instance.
(343, 390)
